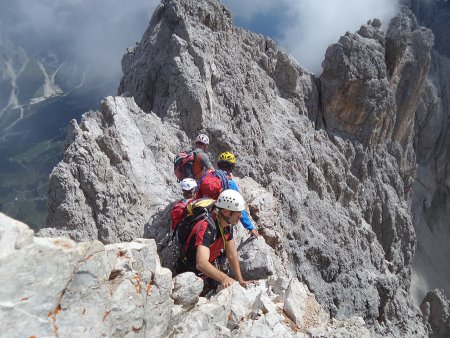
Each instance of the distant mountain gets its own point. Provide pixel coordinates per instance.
(350, 168)
(41, 90)
(52, 71)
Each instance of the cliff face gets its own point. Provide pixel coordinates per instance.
(335, 153)
(430, 203)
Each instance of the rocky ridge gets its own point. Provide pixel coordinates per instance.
(335, 155)
(121, 290)
(430, 202)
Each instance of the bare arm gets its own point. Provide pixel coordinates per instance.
(233, 257)
(254, 232)
(203, 265)
(204, 160)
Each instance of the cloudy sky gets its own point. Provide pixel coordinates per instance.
(102, 29)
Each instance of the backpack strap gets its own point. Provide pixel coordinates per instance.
(196, 229)
(195, 151)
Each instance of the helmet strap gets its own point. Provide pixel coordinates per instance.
(221, 217)
(189, 193)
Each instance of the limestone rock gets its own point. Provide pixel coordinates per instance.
(111, 179)
(187, 288)
(367, 97)
(301, 307)
(353, 327)
(13, 235)
(56, 287)
(255, 312)
(435, 15)
(255, 258)
(264, 210)
(436, 314)
(336, 154)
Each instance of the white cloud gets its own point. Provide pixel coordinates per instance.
(308, 27)
(314, 25)
(97, 32)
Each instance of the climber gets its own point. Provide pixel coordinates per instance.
(211, 240)
(211, 186)
(226, 162)
(202, 164)
(177, 213)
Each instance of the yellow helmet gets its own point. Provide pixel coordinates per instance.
(227, 157)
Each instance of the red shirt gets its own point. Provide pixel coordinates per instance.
(208, 235)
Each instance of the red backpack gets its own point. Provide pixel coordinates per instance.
(212, 185)
(178, 212)
(194, 211)
(183, 164)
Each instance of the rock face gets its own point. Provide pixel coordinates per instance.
(436, 313)
(54, 287)
(331, 160)
(436, 16)
(430, 203)
(113, 176)
(371, 83)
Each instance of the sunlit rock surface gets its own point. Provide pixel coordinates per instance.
(54, 287)
(334, 159)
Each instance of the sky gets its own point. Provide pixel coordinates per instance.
(305, 28)
(100, 31)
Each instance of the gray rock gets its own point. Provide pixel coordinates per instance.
(187, 288)
(263, 209)
(111, 179)
(301, 307)
(55, 287)
(13, 235)
(255, 259)
(353, 327)
(385, 105)
(436, 314)
(435, 15)
(335, 155)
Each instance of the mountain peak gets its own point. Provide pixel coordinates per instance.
(335, 155)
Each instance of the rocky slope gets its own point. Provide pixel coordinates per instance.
(431, 206)
(335, 155)
(121, 290)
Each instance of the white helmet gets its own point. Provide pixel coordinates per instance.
(202, 138)
(231, 200)
(188, 184)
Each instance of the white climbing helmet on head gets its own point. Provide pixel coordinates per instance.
(231, 200)
(202, 138)
(188, 184)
